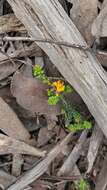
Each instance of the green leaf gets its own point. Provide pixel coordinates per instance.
(38, 71)
(68, 89)
(75, 127)
(77, 117)
(82, 185)
(79, 126)
(87, 125)
(50, 92)
(53, 100)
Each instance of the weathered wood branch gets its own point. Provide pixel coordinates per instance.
(69, 163)
(95, 141)
(17, 164)
(40, 168)
(7, 179)
(47, 19)
(10, 145)
(101, 183)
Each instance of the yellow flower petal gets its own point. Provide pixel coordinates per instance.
(59, 86)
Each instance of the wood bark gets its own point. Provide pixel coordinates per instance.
(7, 179)
(17, 164)
(47, 19)
(101, 183)
(10, 145)
(95, 142)
(35, 172)
(69, 163)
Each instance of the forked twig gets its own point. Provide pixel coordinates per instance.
(62, 43)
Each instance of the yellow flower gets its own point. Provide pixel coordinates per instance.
(59, 86)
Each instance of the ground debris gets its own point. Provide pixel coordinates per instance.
(62, 160)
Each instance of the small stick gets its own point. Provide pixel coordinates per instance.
(67, 44)
(61, 43)
(60, 178)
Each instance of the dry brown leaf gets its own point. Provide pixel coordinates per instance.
(99, 26)
(31, 94)
(44, 136)
(10, 23)
(83, 14)
(10, 124)
(7, 68)
(41, 185)
(60, 132)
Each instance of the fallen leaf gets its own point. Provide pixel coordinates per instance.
(41, 185)
(83, 14)
(10, 124)
(99, 26)
(9, 23)
(44, 136)
(31, 94)
(7, 68)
